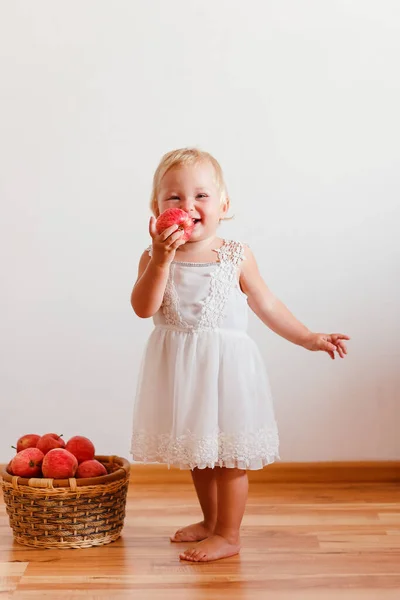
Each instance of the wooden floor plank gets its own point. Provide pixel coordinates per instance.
(10, 576)
(300, 542)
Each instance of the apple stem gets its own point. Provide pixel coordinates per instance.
(13, 447)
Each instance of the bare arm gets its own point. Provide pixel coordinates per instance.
(148, 291)
(277, 316)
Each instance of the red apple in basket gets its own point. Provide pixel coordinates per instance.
(91, 468)
(49, 441)
(29, 440)
(9, 469)
(59, 464)
(27, 463)
(81, 447)
(173, 216)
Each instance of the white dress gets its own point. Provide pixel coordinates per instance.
(203, 396)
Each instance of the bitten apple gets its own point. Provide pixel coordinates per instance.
(176, 216)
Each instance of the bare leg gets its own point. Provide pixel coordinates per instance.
(232, 490)
(206, 488)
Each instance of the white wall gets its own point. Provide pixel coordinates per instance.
(300, 103)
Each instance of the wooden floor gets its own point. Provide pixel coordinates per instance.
(303, 542)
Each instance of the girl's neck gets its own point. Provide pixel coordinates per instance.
(199, 251)
(200, 246)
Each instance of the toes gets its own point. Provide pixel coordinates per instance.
(200, 556)
(178, 534)
(194, 555)
(187, 555)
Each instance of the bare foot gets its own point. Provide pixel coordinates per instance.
(213, 548)
(192, 533)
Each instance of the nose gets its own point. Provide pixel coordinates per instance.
(187, 204)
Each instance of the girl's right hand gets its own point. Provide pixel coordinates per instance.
(165, 244)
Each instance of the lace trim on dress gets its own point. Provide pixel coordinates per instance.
(247, 450)
(231, 251)
(170, 305)
(223, 278)
(230, 255)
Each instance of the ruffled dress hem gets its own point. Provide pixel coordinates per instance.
(248, 451)
(244, 466)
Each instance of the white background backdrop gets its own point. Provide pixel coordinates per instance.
(299, 101)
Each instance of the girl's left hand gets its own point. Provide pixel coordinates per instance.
(328, 342)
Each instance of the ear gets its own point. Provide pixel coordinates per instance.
(225, 205)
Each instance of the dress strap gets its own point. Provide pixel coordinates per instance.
(231, 252)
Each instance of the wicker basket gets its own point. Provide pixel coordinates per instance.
(68, 513)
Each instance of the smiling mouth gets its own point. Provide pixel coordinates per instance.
(195, 221)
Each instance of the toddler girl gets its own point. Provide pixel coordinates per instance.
(203, 400)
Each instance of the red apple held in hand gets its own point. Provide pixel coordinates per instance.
(59, 464)
(81, 447)
(173, 216)
(27, 441)
(27, 463)
(91, 468)
(49, 441)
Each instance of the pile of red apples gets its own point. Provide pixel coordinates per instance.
(50, 457)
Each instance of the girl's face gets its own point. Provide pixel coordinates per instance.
(193, 189)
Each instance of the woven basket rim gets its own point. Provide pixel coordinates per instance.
(121, 473)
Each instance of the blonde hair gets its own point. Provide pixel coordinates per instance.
(183, 157)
